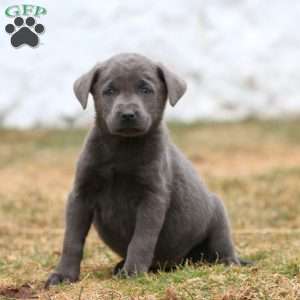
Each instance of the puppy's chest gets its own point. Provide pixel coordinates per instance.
(118, 202)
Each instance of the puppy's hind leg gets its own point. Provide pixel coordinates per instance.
(220, 244)
(220, 240)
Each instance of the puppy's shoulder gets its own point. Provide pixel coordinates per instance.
(92, 157)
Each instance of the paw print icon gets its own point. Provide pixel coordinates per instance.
(24, 32)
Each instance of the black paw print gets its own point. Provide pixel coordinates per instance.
(24, 34)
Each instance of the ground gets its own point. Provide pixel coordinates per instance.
(253, 165)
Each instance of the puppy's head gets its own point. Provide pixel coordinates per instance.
(130, 93)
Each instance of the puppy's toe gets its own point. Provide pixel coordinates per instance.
(122, 272)
(245, 262)
(230, 261)
(57, 278)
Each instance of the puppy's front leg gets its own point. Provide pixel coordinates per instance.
(79, 215)
(149, 221)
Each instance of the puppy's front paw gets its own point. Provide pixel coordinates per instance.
(124, 273)
(57, 278)
(126, 270)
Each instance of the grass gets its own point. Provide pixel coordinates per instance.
(253, 165)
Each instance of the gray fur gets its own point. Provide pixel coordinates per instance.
(143, 196)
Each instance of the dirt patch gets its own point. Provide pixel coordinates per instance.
(25, 291)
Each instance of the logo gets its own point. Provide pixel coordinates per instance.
(25, 29)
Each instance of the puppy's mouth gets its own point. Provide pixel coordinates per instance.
(129, 132)
(129, 129)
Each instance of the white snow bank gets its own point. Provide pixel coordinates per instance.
(239, 57)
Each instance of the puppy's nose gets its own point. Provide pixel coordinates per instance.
(128, 116)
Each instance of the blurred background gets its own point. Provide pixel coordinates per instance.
(240, 57)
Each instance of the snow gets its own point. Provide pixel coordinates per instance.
(240, 58)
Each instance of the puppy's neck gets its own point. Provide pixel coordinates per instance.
(128, 153)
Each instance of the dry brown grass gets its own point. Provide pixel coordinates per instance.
(254, 166)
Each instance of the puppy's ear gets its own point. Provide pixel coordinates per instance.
(176, 86)
(83, 85)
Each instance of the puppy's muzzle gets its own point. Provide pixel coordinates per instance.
(129, 121)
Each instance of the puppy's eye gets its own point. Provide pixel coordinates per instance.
(146, 90)
(110, 91)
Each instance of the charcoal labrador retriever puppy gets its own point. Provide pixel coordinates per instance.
(143, 196)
